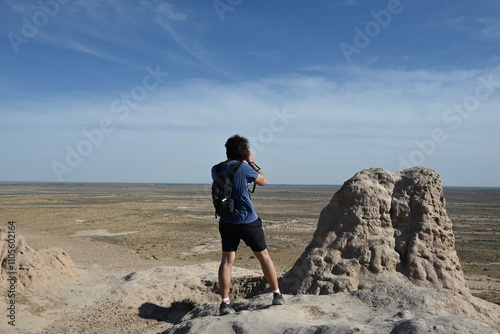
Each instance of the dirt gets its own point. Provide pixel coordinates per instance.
(166, 224)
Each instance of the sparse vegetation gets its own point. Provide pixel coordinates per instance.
(177, 221)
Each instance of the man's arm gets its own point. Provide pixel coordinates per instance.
(261, 179)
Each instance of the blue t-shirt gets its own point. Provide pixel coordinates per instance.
(244, 211)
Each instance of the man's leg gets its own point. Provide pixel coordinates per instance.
(269, 271)
(268, 268)
(225, 269)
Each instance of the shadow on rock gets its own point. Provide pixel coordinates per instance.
(172, 314)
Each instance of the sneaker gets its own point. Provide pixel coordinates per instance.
(226, 309)
(278, 299)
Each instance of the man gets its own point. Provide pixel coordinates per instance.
(245, 224)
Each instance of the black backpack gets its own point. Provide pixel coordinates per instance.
(222, 189)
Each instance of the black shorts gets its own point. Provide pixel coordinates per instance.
(252, 234)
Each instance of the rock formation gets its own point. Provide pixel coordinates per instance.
(382, 260)
(381, 226)
(32, 269)
(385, 308)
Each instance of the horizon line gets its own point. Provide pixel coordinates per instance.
(199, 184)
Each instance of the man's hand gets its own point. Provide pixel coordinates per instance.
(261, 179)
(250, 157)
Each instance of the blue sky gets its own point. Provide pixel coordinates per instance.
(148, 91)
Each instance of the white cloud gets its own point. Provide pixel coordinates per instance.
(360, 119)
(168, 10)
(71, 44)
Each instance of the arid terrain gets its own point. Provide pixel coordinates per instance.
(111, 230)
(176, 222)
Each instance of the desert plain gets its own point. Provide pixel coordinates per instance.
(112, 230)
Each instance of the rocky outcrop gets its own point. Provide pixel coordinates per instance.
(382, 260)
(385, 308)
(197, 283)
(25, 268)
(381, 227)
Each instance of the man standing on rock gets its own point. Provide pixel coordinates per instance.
(244, 224)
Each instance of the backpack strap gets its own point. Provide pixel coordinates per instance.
(233, 170)
(231, 174)
(217, 168)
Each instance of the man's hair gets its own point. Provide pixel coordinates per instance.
(237, 148)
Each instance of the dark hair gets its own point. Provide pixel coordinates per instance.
(237, 148)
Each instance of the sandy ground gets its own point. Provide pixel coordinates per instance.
(79, 304)
(112, 230)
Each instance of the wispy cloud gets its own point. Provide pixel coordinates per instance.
(71, 44)
(490, 30)
(168, 10)
(347, 3)
(231, 77)
(359, 102)
(365, 116)
(182, 33)
(486, 29)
